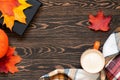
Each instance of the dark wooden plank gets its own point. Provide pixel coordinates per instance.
(58, 35)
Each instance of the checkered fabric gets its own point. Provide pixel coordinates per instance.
(112, 69)
(71, 74)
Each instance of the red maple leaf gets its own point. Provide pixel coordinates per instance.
(8, 59)
(8, 8)
(99, 22)
(8, 62)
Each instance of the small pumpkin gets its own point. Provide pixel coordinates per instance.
(3, 43)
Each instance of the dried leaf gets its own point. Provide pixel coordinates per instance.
(7, 58)
(8, 62)
(99, 22)
(13, 10)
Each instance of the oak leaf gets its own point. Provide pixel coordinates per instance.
(99, 22)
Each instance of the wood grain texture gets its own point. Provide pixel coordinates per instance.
(58, 35)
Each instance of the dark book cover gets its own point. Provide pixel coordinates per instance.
(20, 28)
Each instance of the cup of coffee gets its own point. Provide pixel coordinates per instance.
(92, 60)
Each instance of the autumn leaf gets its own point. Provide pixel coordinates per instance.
(99, 22)
(8, 62)
(8, 59)
(13, 10)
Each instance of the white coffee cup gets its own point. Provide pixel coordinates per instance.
(92, 61)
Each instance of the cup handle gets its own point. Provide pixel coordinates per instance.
(96, 45)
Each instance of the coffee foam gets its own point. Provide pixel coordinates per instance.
(92, 61)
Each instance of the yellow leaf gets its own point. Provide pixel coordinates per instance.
(24, 3)
(13, 10)
(19, 15)
(9, 21)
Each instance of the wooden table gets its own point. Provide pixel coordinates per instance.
(58, 35)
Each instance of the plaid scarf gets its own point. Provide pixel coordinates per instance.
(69, 74)
(112, 69)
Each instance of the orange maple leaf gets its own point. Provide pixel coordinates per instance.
(8, 59)
(99, 22)
(8, 62)
(13, 10)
